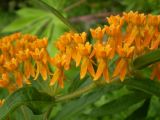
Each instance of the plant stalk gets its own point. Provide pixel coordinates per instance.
(82, 91)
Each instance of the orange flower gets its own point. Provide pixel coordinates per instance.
(97, 33)
(18, 55)
(115, 20)
(125, 53)
(41, 59)
(84, 56)
(121, 69)
(4, 80)
(58, 75)
(29, 69)
(67, 45)
(19, 78)
(11, 65)
(102, 53)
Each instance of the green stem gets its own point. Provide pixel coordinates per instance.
(82, 91)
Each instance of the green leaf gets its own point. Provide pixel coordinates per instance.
(25, 96)
(144, 85)
(21, 23)
(3, 93)
(141, 112)
(146, 59)
(118, 105)
(75, 106)
(38, 27)
(48, 32)
(24, 113)
(31, 12)
(21, 113)
(57, 14)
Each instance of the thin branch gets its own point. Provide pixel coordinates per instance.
(82, 91)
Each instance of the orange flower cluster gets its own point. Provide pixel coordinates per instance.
(126, 36)
(22, 56)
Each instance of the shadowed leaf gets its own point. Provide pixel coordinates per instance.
(118, 105)
(26, 96)
(146, 59)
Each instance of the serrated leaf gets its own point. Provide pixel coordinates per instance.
(118, 105)
(25, 96)
(78, 105)
(146, 59)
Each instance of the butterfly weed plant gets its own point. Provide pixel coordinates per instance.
(124, 53)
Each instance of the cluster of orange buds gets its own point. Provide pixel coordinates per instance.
(22, 57)
(126, 36)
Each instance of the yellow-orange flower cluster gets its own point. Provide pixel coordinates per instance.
(126, 36)
(22, 56)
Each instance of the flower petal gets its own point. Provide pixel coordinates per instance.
(119, 67)
(91, 69)
(78, 59)
(19, 79)
(43, 71)
(84, 66)
(100, 69)
(123, 72)
(55, 76)
(60, 80)
(106, 74)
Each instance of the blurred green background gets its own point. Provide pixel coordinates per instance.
(32, 16)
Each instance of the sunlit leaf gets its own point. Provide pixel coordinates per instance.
(21, 23)
(57, 14)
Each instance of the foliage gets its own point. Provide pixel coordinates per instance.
(135, 98)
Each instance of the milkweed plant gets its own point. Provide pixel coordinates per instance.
(124, 52)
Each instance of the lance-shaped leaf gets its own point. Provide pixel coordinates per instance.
(75, 106)
(26, 96)
(56, 13)
(146, 59)
(141, 112)
(145, 85)
(118, 105)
